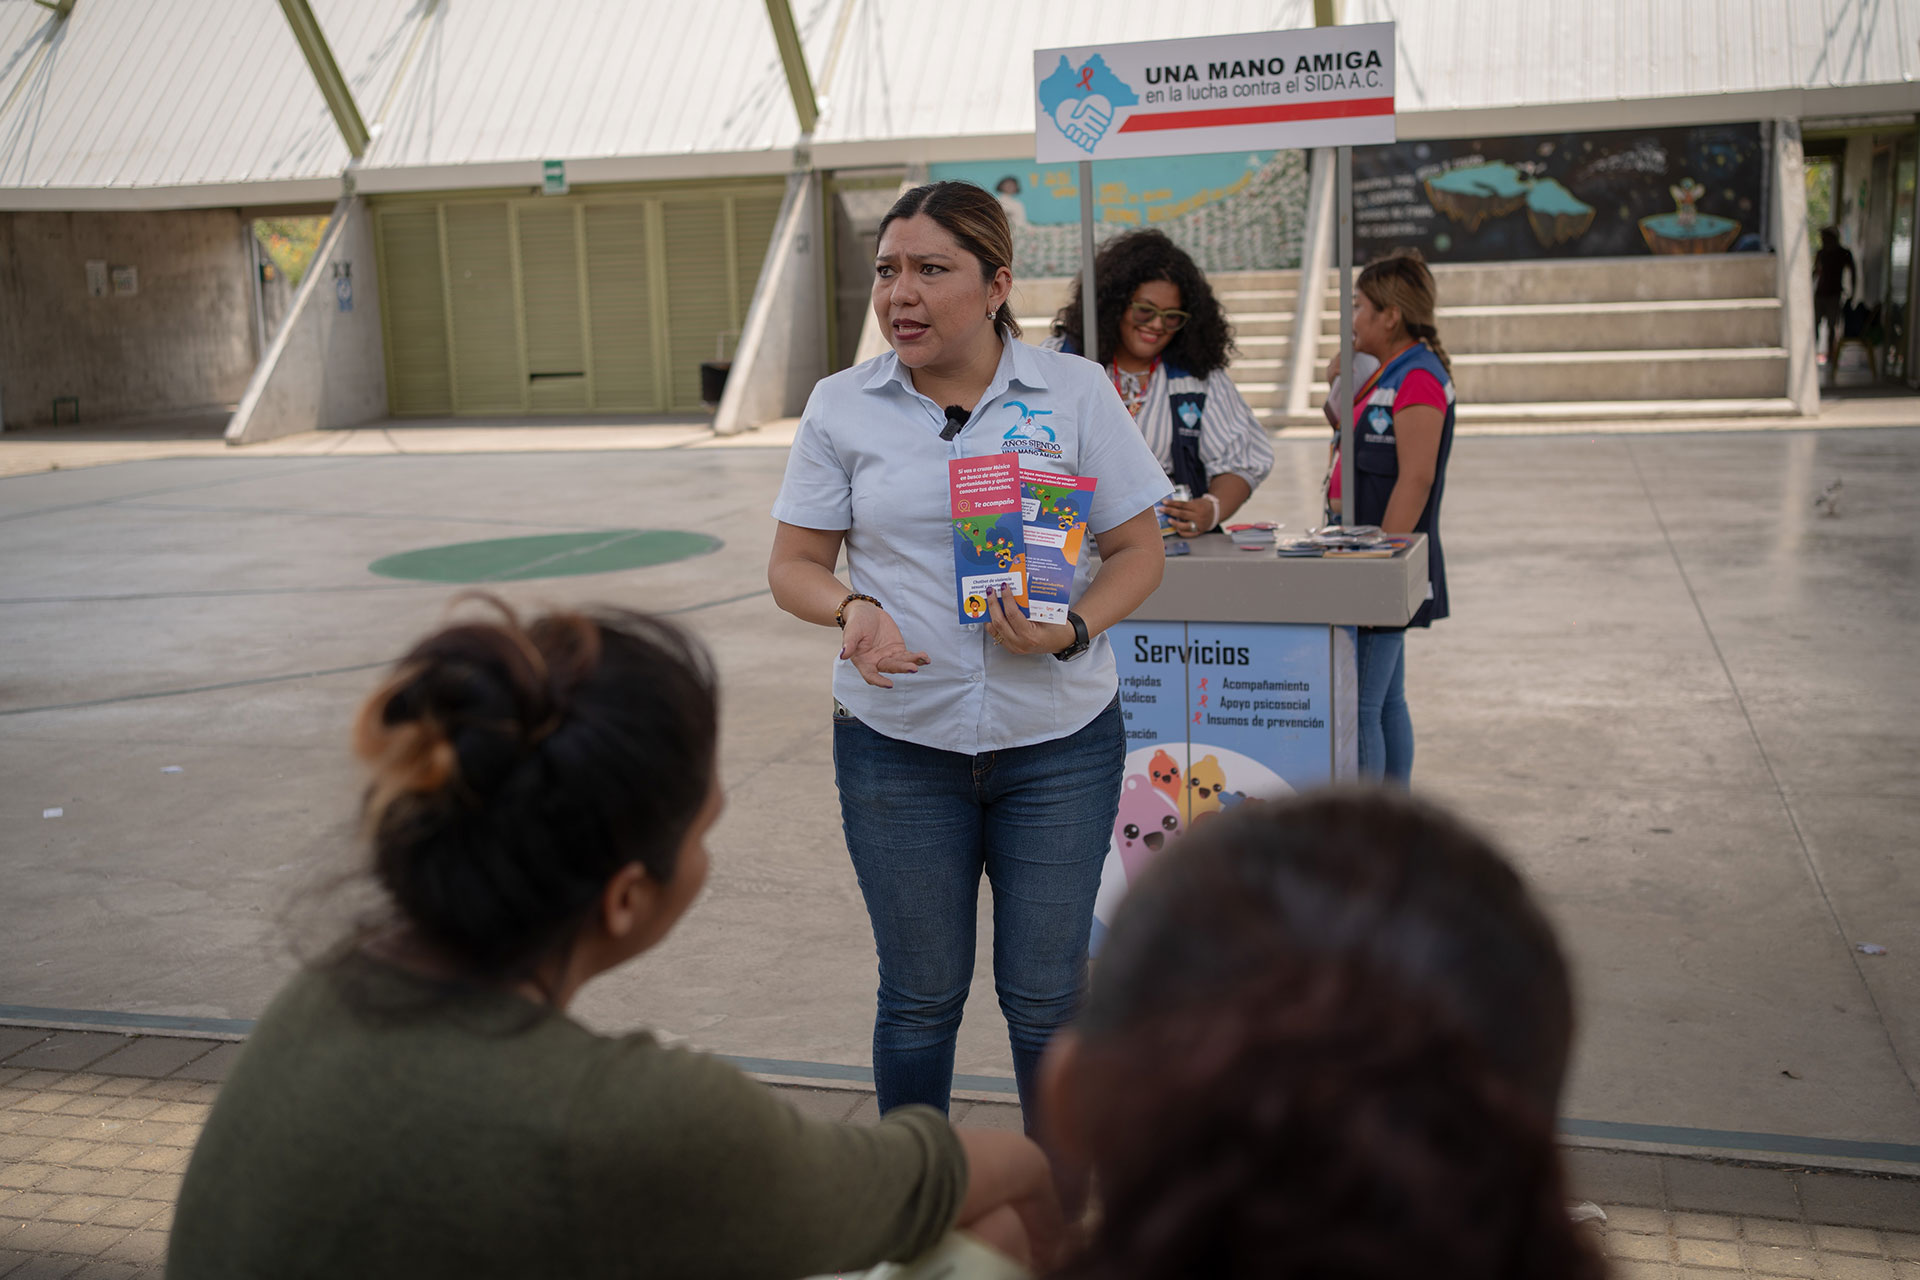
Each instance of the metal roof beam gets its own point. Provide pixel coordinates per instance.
(794, 58)
(326, 75)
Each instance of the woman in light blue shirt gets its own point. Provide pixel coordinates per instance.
(961, 748)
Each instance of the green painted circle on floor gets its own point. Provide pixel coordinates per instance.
(551, 555)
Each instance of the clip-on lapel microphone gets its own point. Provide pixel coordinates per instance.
(956, 419)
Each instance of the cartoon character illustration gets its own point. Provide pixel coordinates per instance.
(1205, 781)
(1166, 775)
(976, 607)
(1147, 821)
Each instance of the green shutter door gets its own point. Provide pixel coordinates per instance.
(699, 293)
(487, 371)
(550, 293)
(753, 221)
(414, 313)
(620, 307)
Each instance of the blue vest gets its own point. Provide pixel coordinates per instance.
(1376, 458)
(1187, 402)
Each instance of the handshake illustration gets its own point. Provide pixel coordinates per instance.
(1084, 120)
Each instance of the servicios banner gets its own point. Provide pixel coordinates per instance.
(1265, 90)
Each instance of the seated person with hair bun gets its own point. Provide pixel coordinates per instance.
(419, 1104)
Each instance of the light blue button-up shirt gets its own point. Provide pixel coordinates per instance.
(868, 458)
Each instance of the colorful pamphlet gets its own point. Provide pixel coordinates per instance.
(1054, 510)
(1180, 494)
(989, 543)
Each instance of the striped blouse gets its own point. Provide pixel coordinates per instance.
(1231, 438)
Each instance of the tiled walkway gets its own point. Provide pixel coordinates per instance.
(96, 1128)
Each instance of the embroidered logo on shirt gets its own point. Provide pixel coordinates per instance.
(1028, 436)
(1379, 426)
(1188, 406)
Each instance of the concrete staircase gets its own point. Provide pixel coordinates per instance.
(1624, 338)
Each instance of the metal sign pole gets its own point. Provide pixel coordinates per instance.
(1089, 301)
(1343, 242)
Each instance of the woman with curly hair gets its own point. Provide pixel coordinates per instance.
(1327, 1038)
(1167, 344)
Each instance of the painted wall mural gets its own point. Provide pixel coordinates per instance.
(1571, 195)
(1235, 212)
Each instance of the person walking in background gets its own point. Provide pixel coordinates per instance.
(1167, 346)
(959, 748)
(419, 1104)
(1403, 435)
(1834, 278)
(1327, 1037)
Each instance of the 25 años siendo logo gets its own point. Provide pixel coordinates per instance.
(1028, 436)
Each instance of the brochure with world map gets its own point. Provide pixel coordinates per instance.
(989, 540)
(1055, 518)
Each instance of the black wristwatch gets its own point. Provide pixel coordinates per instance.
(1081, 641)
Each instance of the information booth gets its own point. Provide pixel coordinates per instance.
(1237, 682)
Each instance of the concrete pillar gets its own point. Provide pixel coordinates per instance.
(783, 343)
(1793, 258)
(326, 364)
(1852, 191)
(1316, 257)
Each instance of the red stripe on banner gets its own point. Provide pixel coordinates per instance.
(1225, 116)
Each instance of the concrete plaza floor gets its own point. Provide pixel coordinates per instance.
(96, 1130)
(1681, 697)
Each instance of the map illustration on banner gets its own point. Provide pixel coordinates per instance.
(1082, 102)
(1264, 90)
(1631, 192)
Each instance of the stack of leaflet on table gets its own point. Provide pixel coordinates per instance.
(1253, 537)
(1360, 541)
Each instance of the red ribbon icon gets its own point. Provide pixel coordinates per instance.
(1086, 77)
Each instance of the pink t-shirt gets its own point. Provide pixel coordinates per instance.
(1417, 388)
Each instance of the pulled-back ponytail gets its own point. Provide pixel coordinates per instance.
(516, 768)
(1403, 280)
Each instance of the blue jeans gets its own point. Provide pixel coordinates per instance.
(922, 824)
(1386, 730)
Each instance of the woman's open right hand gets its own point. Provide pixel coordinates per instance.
(872, 643)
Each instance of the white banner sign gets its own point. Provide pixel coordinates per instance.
(1264, 91)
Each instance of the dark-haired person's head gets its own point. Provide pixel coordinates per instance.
(1829, 237)
(1142, 276)
(1325, 1037)
(943, 271)
(540, 792)
(1395, 301)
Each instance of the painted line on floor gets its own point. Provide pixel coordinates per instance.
(1703, 1140)
(312, 675)
(203, 688)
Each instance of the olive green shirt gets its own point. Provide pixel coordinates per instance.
(376, 1127)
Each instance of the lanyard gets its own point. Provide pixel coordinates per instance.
(1360, 396)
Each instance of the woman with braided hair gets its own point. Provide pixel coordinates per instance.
(1327, 1038)
(420, 1104)
(1403, 435)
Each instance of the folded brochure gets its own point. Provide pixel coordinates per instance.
(989, 541)
(1055, 511)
